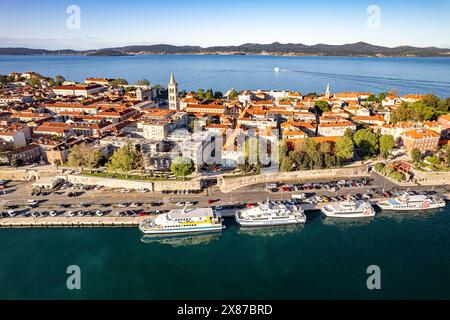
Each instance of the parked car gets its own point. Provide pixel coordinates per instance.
(32, 202)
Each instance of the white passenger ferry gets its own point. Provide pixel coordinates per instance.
(268, 214)
(414, 202)
(183, 221)
(349, 209)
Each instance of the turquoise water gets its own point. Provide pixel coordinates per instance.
(325, 259)
(305, 74)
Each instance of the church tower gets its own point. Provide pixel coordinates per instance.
(172, 89)
(327, 93)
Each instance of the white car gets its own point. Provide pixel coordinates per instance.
(32, 202)
(143, 190)
(300, 196)
(180, 204)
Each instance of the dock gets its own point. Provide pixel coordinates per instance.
(70, 222)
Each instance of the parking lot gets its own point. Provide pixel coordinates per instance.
(22, 199)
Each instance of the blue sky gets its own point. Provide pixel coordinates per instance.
(42, 24)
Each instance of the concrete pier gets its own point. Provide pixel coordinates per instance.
(70, 222)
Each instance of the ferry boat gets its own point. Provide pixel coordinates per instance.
(349, 209)
(267, 214)
(183, 221)
(414, 202)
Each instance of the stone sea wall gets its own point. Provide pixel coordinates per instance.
(194, 184)
(229, 184)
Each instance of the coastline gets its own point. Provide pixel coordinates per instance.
(257, 54)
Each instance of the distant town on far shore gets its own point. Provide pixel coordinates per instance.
(274, 49)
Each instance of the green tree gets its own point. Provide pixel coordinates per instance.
(233, 94)
(143, 82)
(431, 100)
(3, 79)
(330, 161)
(372, 98)
(344, 148)
(125, 159)
(349, 134)
(59, 80)
(287, 164)
(367, 141)
(182, 166)
(209, 95)
(382, 96)
(397, 176)
(84, 155)
(200, 94)
(10, 78)
(325, 148)
(283, 149)
(419, 111)
(252, 151)
(447, 156)
(119, 82)
(387, 143)
(218, 95)
(298, 159)
(416, 155)
(321, 107)
(379, 167)
(312, 95)
(306, 145)
(35, 81)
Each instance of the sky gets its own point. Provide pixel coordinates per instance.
(47, 24)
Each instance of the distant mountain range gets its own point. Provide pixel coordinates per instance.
(358, 49)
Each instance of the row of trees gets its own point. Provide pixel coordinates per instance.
(369, 143)
(429, 108)
(124, 159)
(208, 94)
(308, 154)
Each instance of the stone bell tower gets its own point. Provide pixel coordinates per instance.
(172, 88)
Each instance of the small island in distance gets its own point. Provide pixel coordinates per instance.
(359, 49)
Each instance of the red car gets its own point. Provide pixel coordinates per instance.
(250, 205)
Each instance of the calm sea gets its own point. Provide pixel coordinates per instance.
(326, 259)
(305, 74)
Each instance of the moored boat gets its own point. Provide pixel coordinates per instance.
(407, 202)
(183, 221)
(268, 214)
(349, 209)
